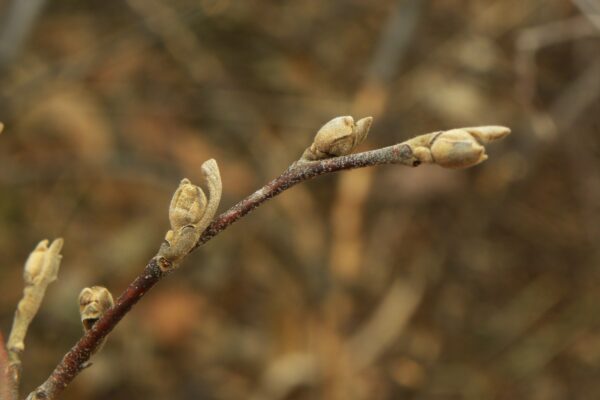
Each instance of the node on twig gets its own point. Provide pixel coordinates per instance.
(93, 303)
(338, 137)
(190, 213)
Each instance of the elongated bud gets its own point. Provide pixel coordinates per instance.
(43, 262)
(456, 148)
(1, 127)
(187, 205)
(41, 268)
(190, 213)
(35, 262)
(338, 137)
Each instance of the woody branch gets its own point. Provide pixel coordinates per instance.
(191, 212)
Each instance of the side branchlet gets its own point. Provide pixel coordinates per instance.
(93, 303)
(338, 137)
(190, 213)
(456, 148)
(41, 269)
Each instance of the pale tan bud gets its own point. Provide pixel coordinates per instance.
(93, 304)
(43, 262)
(338, 137)
(187, 205)
(41, 268)
(457, 148)
(190, 213)
(35, 262)
(1, 127)
(335, 137)
(462, 148)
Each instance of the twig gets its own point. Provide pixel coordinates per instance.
(41, 269)
(428, 148)
(397, 154)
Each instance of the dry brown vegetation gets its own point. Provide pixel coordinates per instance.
(380, 283)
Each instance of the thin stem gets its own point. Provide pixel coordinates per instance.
(397, 154)
(76, 359)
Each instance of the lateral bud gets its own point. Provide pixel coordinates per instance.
(43, 262)
(338, 137)
(457, 148)
(190, 213)
(187, 205)
(93, 303)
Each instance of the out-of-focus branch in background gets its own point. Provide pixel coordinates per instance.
(16, 25)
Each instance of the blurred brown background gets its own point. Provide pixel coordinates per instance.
(385, 283)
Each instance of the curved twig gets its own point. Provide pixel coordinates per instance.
(410, 153)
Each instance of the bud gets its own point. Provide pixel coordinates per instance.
(187, 205)
(190, 213)
(35, 262)
(338, 137)
(1, 127)
(93, 304)
(457, 149)
(43, 262)
(462, 148)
